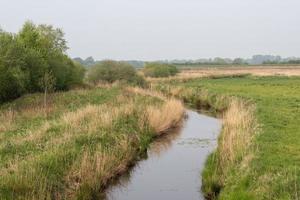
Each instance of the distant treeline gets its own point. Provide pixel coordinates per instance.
(34, 59)
(291, 62)
(89, 61)
(218, 61)
(255, 60)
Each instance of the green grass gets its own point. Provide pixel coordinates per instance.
(87, 138)
(274, 171)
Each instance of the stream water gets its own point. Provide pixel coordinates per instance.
(173, 167)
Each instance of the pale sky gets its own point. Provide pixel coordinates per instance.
(165, 29)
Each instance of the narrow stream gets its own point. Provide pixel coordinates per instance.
(173, 167)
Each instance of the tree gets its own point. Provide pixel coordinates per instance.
(52, 39)
(110, 71)
(159, 70)
(238, 61)
(12, 75)
(27, 56)
(219, 61)
(47, 84)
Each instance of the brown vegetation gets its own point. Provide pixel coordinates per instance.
(235, 146)
(239, 128)
(187, 74)
(80, 149)
(167, 117)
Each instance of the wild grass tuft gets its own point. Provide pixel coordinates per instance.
(167, 117)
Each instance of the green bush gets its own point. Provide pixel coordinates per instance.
(11, 86)
(110, 71)
(27, 56)
(159, 70)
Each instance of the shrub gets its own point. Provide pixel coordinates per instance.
(11, 85)
(27, 56)
(111, 71)
(159, 70)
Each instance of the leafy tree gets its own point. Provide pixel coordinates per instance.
(159, 70)
(47, 84)
(111, 71)
(13, 79)
(78, 72)
(238, 61)
(27, 56)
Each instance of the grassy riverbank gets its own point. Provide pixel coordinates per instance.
(84, 138)
(259, 148)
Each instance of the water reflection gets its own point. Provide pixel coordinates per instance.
(173, 165)
(164, 142)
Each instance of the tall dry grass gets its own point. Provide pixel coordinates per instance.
(167, 117)
(161, 118)
(235, 146)
(239, 129)
(89, 145)
(93, 171)
(7, 119)
(147, 92)
(96, 169)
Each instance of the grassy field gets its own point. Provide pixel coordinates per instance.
(84, 138)
(257, 158)
(211, 71)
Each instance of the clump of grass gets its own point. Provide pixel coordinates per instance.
(235, 146)
(239, 127)
(167, 117)
(164, 117)
(7, 119)
(146, 92)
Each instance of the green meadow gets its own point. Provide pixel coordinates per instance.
(75, 146)
(273, 158)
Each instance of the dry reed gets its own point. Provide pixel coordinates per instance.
(7, 119)
(239, 129)
(167, 117)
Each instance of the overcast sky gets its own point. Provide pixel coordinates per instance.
(165, 29)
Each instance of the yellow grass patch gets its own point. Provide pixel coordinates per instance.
(169, 116)
(239, 129)
(140, 91)
(6, 119)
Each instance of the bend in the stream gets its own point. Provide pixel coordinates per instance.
(173, 165)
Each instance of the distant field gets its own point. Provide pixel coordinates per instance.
(197, 66)
(255, 70)
(195, 72)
